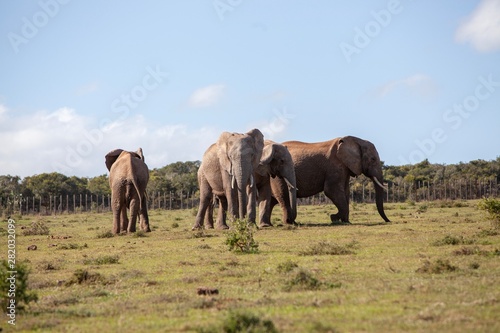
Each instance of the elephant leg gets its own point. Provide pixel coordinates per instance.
(134, 209)
(209, 215)
(117, 207)
(144, 217)
(123, 218)
(251, 204)
(206, 197)
(222, 213)
(338, 196)
(265, 206)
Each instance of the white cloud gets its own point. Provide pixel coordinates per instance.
(68, 142)
(206, 96)
(482, 27)
(419, 84)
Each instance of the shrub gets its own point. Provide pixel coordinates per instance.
(302, 280)
(103, 260)
(105, 234)
(287, 266)
(20, 293)
(240, 238)
(437, 267)
(492, 207)
(82, 276)
(328, 248)
(36, 228)
(243, 322)
(453, 240)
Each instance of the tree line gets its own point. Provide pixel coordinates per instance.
(175, 185)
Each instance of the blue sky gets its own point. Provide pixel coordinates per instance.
(419, 79)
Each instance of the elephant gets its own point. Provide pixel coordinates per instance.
(276, 161)
(226, 169)
(327, 166)
(128, 178)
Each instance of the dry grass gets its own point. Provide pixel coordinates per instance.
(430, 270)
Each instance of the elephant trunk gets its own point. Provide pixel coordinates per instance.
(379, 197)
(242, 178)
(292, 196)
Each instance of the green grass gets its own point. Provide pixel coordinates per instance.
(431, 270)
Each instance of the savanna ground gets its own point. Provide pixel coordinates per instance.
(435, 268)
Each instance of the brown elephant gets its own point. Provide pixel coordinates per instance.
(327, 166)
(276, 161)
(128, 178)
(226, 171)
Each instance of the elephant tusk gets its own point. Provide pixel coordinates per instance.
(379, 184)
(233, 180)
(289, 184)
(251, 181)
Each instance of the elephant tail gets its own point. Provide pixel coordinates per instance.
(134, 182)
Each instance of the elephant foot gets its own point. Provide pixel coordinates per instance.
(210, 226)
(336, 219)
(222, 227)
(196, 227)
(265, 225)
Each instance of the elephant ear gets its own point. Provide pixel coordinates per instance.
(222, 151)
(267, 152)
(140, 154)
(258, 139)
(111, 157)
(349, 153)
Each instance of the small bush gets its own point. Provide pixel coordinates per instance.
(103, 260)
(302, 280)
(105, 234)
(492, 207)
(82, 276)
(287, 266)
(240, 238)
(237, 322)
(453, 240)
(72, 246)
(242, 322)
(20, 293)
(438, 267)
(36, 228)
(328, 248)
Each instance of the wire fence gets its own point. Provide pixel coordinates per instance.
(361, 192)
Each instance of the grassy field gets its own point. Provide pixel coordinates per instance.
(435, 268)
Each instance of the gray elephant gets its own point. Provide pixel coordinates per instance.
(327, 166)
(276, 161)
(226, 171)
(128, 178)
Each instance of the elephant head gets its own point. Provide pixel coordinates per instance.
(276, 161)
(361, 157)
(239, 156)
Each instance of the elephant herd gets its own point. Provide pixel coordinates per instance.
(242, 171)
